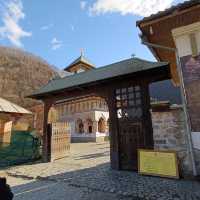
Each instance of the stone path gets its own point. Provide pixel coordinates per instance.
(86, 174)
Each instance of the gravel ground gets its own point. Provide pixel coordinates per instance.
(86, 174)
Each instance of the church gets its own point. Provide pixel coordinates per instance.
(88, 117)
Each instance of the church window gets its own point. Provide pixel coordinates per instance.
(79, 126)
(89, 126)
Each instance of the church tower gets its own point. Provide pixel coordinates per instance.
(81, 64)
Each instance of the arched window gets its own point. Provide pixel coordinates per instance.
(79, 126)
(102, 125)
(89, 126)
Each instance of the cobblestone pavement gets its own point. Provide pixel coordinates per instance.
(86, 174)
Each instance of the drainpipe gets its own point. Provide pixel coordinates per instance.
(184, 100)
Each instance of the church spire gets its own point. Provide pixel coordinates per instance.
(82, 52)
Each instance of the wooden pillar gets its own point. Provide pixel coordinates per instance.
(46, 133)
(113, 130)
(149, 142)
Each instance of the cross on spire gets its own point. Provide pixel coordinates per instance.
(82, 51)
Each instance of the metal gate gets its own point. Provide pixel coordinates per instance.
(59, 140)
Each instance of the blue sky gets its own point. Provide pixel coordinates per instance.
(57, 30)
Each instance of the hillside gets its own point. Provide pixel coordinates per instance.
(20, 74)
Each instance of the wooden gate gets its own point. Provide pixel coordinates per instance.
(129, 142)
(59, 141)
(134, 124)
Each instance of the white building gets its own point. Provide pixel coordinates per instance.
(89, 116)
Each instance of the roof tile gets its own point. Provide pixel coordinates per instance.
(102, 73)
(9, 107)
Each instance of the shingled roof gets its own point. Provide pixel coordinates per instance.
(179, 7)
(81, 59)
(9, 107)
(114, 70)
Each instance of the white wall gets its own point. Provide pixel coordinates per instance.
(181, 37)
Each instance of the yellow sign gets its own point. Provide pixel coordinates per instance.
(158, 163)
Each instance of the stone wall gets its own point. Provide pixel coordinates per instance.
(169, 134)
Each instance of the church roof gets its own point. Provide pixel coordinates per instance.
(81, 59)
(108, 72)
(9, 107)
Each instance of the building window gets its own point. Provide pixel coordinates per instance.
(79, 126)
(90, 129)
(89, 126)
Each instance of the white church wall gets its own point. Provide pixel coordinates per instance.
(103, 114)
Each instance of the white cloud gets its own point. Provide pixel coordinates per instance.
(46, 27)
(56, 44)
(11, 14)
(135, 7)
(83, 5)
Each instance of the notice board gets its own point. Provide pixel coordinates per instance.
(158, 163)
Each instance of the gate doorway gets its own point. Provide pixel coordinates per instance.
(129, 140)
(124, 86)
(66, 121)
(133, 117)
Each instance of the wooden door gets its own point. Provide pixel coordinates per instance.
(132, 119)
(129, 140)
(59, 140)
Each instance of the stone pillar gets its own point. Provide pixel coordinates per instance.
(72, 127)
(85, 126)
(187, 40)
(95, 127)
(107, 126)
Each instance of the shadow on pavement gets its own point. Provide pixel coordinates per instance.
(122, 184)
(95, 155)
